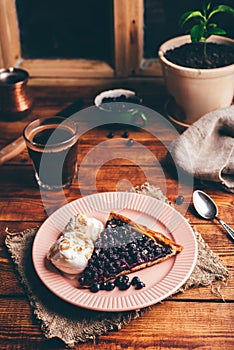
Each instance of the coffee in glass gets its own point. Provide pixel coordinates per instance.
(52, 147)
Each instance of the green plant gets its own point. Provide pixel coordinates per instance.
(204, 26)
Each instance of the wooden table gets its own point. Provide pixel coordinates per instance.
(196, 319)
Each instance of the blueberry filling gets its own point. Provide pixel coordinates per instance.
(119, 248)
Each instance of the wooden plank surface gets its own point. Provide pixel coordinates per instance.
(196, 319)
(188, 331)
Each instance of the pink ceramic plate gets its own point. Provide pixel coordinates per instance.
(161, 280)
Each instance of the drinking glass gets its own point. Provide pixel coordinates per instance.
(52, 147)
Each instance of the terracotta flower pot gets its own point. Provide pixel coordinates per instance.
(197, 91)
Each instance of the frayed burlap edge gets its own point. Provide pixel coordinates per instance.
(72, 324)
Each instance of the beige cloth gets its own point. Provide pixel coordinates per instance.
(206, 148)
(72, 324)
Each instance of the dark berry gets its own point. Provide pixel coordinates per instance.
(125, 278)
(151, 257)
(118, 280)
(110, 285)
(124, 285)
(103, 285)
(140, 285)
(107, 99)
(117, 262)
(129, 260)
(81, 280)
(110, 135)
(94, 288)
(179, 200)
(130, 142)
(122, 98)
(135, 281)
(125, 135)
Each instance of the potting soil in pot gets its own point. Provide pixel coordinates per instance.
(192, 55)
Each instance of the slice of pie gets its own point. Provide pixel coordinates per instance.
(125, 246)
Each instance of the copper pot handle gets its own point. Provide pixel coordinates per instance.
(12, 150)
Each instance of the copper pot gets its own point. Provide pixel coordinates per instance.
(15, 101)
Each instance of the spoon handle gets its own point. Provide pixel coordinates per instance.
(229, 230)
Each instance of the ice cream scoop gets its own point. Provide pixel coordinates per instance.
(89, 227)
(71, 252)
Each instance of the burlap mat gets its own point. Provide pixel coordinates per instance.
(73, 324)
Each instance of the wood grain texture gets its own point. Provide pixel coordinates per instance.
(67, 68)
(20, 330)
(196, 319)
(9, 34)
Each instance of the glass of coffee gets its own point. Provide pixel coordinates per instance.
(52, 147)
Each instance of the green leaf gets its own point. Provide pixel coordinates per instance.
(215, 30)
(197, 32)
(213, 25)
(206, 7)
(183, 17)
(221, 8)
(190, 14)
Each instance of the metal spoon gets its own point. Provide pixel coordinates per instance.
(207, 209)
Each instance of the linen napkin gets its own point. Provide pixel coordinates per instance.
(206, 149)
(74, 325)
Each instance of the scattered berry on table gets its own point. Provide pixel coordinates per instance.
(125, 135)
(130, 142)
(179, 200)
(110, 135)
